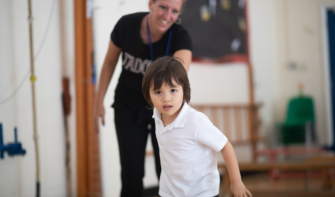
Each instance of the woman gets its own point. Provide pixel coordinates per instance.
(142, 38)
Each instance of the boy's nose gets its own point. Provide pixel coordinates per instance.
(167, 97)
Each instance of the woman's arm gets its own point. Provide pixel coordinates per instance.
(106, 74)
(237, 186)
(186, 56)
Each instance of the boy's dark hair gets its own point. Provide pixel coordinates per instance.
(162, 70)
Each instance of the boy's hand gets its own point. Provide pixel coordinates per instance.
(239, 190)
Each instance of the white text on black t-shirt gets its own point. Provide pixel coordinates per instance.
(135, 65)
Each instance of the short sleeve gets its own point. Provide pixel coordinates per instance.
(211, 136)
(116, 35)
(182, 40)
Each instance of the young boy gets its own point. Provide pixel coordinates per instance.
(187, 139)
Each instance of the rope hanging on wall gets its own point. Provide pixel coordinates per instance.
(33, 80)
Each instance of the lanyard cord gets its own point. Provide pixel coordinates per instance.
(150, 44)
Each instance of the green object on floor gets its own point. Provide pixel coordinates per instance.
(300, 112)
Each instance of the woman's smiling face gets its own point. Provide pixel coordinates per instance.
(164, 13)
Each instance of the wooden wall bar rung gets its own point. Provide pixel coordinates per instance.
(238, 123)
(214, 116)
(226, 122)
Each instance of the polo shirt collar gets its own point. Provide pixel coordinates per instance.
(179, 122)
(157, 114)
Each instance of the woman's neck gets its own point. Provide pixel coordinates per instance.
(155, 35)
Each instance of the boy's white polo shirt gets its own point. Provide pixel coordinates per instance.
(188, 149)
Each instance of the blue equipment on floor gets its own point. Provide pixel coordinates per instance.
(11, 148)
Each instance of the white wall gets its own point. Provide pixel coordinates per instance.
(17, 174)
(212, 83)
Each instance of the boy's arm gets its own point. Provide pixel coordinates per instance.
(237, 186)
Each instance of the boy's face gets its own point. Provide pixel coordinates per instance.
(168, 100)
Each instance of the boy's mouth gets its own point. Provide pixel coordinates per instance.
(167, 107)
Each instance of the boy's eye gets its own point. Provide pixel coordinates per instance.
(158, 92)
(173, 90)
(175, 11)
(163, 7)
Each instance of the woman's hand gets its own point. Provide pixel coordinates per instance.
(99, 112)
(106, 74)
(239, 190)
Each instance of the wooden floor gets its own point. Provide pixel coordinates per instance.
(260, 185)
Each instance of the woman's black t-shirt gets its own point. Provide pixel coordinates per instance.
(136, 55)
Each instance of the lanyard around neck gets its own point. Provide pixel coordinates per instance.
(150, 44)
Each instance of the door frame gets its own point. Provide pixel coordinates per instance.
(326, 63)
(87, 140)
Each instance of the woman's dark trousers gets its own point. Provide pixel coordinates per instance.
(133, 125)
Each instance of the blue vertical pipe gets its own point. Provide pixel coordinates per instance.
(331, 48)
(1, 142)
(15, 135)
